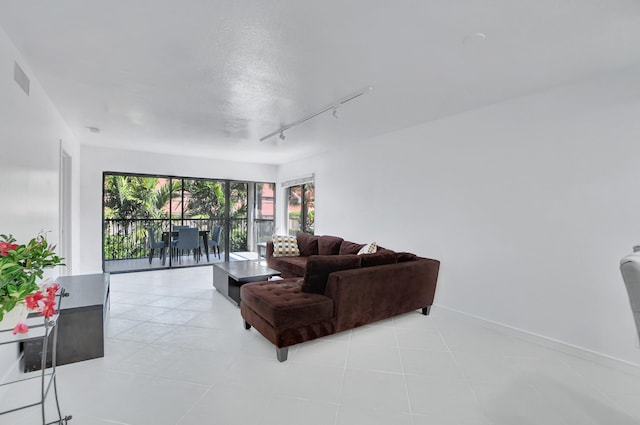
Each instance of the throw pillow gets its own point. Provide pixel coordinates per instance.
(369, 248)
(285, 246)
(329, 245)
(319, 267)
(347, 247)
(307, 243)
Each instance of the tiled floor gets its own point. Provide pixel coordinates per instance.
(177, 354)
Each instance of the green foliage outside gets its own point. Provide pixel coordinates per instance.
(205, 198)
(309, 225)
(132, 203)
(238, 240)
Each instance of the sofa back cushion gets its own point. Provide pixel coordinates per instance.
(347, 247)
(329, 245)
(378, 259)
(307, 244)
(320, 266)
(401, 257)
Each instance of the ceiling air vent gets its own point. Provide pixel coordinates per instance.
(21, 78)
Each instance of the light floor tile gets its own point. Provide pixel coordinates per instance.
(368, 416)
(142, 313)
(147, 332)
(366, 388)
(117, 325)
(198, 304)
(176, 353)
(449, 398)
(126, 397)
(174, 317)
(376, 335)
(374, 357)
(169, 302)
(422, 339)
(133, 298)
(432, 364)
(213, 320)
(322, 352)
(320, 383)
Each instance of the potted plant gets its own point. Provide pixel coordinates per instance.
(21, 268)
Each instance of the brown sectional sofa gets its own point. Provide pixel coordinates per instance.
(329, 289)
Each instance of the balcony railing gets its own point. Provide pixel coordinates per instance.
(128, 238)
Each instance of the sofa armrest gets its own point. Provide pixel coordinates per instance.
(366, 295)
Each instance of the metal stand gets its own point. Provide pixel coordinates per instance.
(40, 328)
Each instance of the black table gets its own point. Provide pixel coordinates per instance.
(166, 237)
(229, 276)
(81, 324)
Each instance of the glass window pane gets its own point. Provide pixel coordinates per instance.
(133, 206)
(309, 206)
(294, 210)
(265, 211)
(238, 217)
(203, 202)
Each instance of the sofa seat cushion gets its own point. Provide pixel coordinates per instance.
(290, 266)
(283, 304)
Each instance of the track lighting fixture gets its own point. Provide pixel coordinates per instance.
(334, 106)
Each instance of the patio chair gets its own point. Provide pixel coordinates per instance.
(214, 242)
(188, 240)
(153, 245)
(174, 239)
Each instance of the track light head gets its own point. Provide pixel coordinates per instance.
(282, 136)
(335, 113)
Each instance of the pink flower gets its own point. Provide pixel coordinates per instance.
(21, 328)
(52, 289)
(32, 300)
(5, 247)
(49, 308)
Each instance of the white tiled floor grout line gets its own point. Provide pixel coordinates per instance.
(344, 374)
(460, 370)
(404, 375)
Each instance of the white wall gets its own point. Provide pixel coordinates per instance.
(529, 204)
(30, 133)
(96, 160)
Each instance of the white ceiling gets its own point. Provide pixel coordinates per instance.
(210, 78)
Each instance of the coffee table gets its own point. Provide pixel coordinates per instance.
(229, 276)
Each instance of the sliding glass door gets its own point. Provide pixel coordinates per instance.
(141, 214)
(136, 210)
